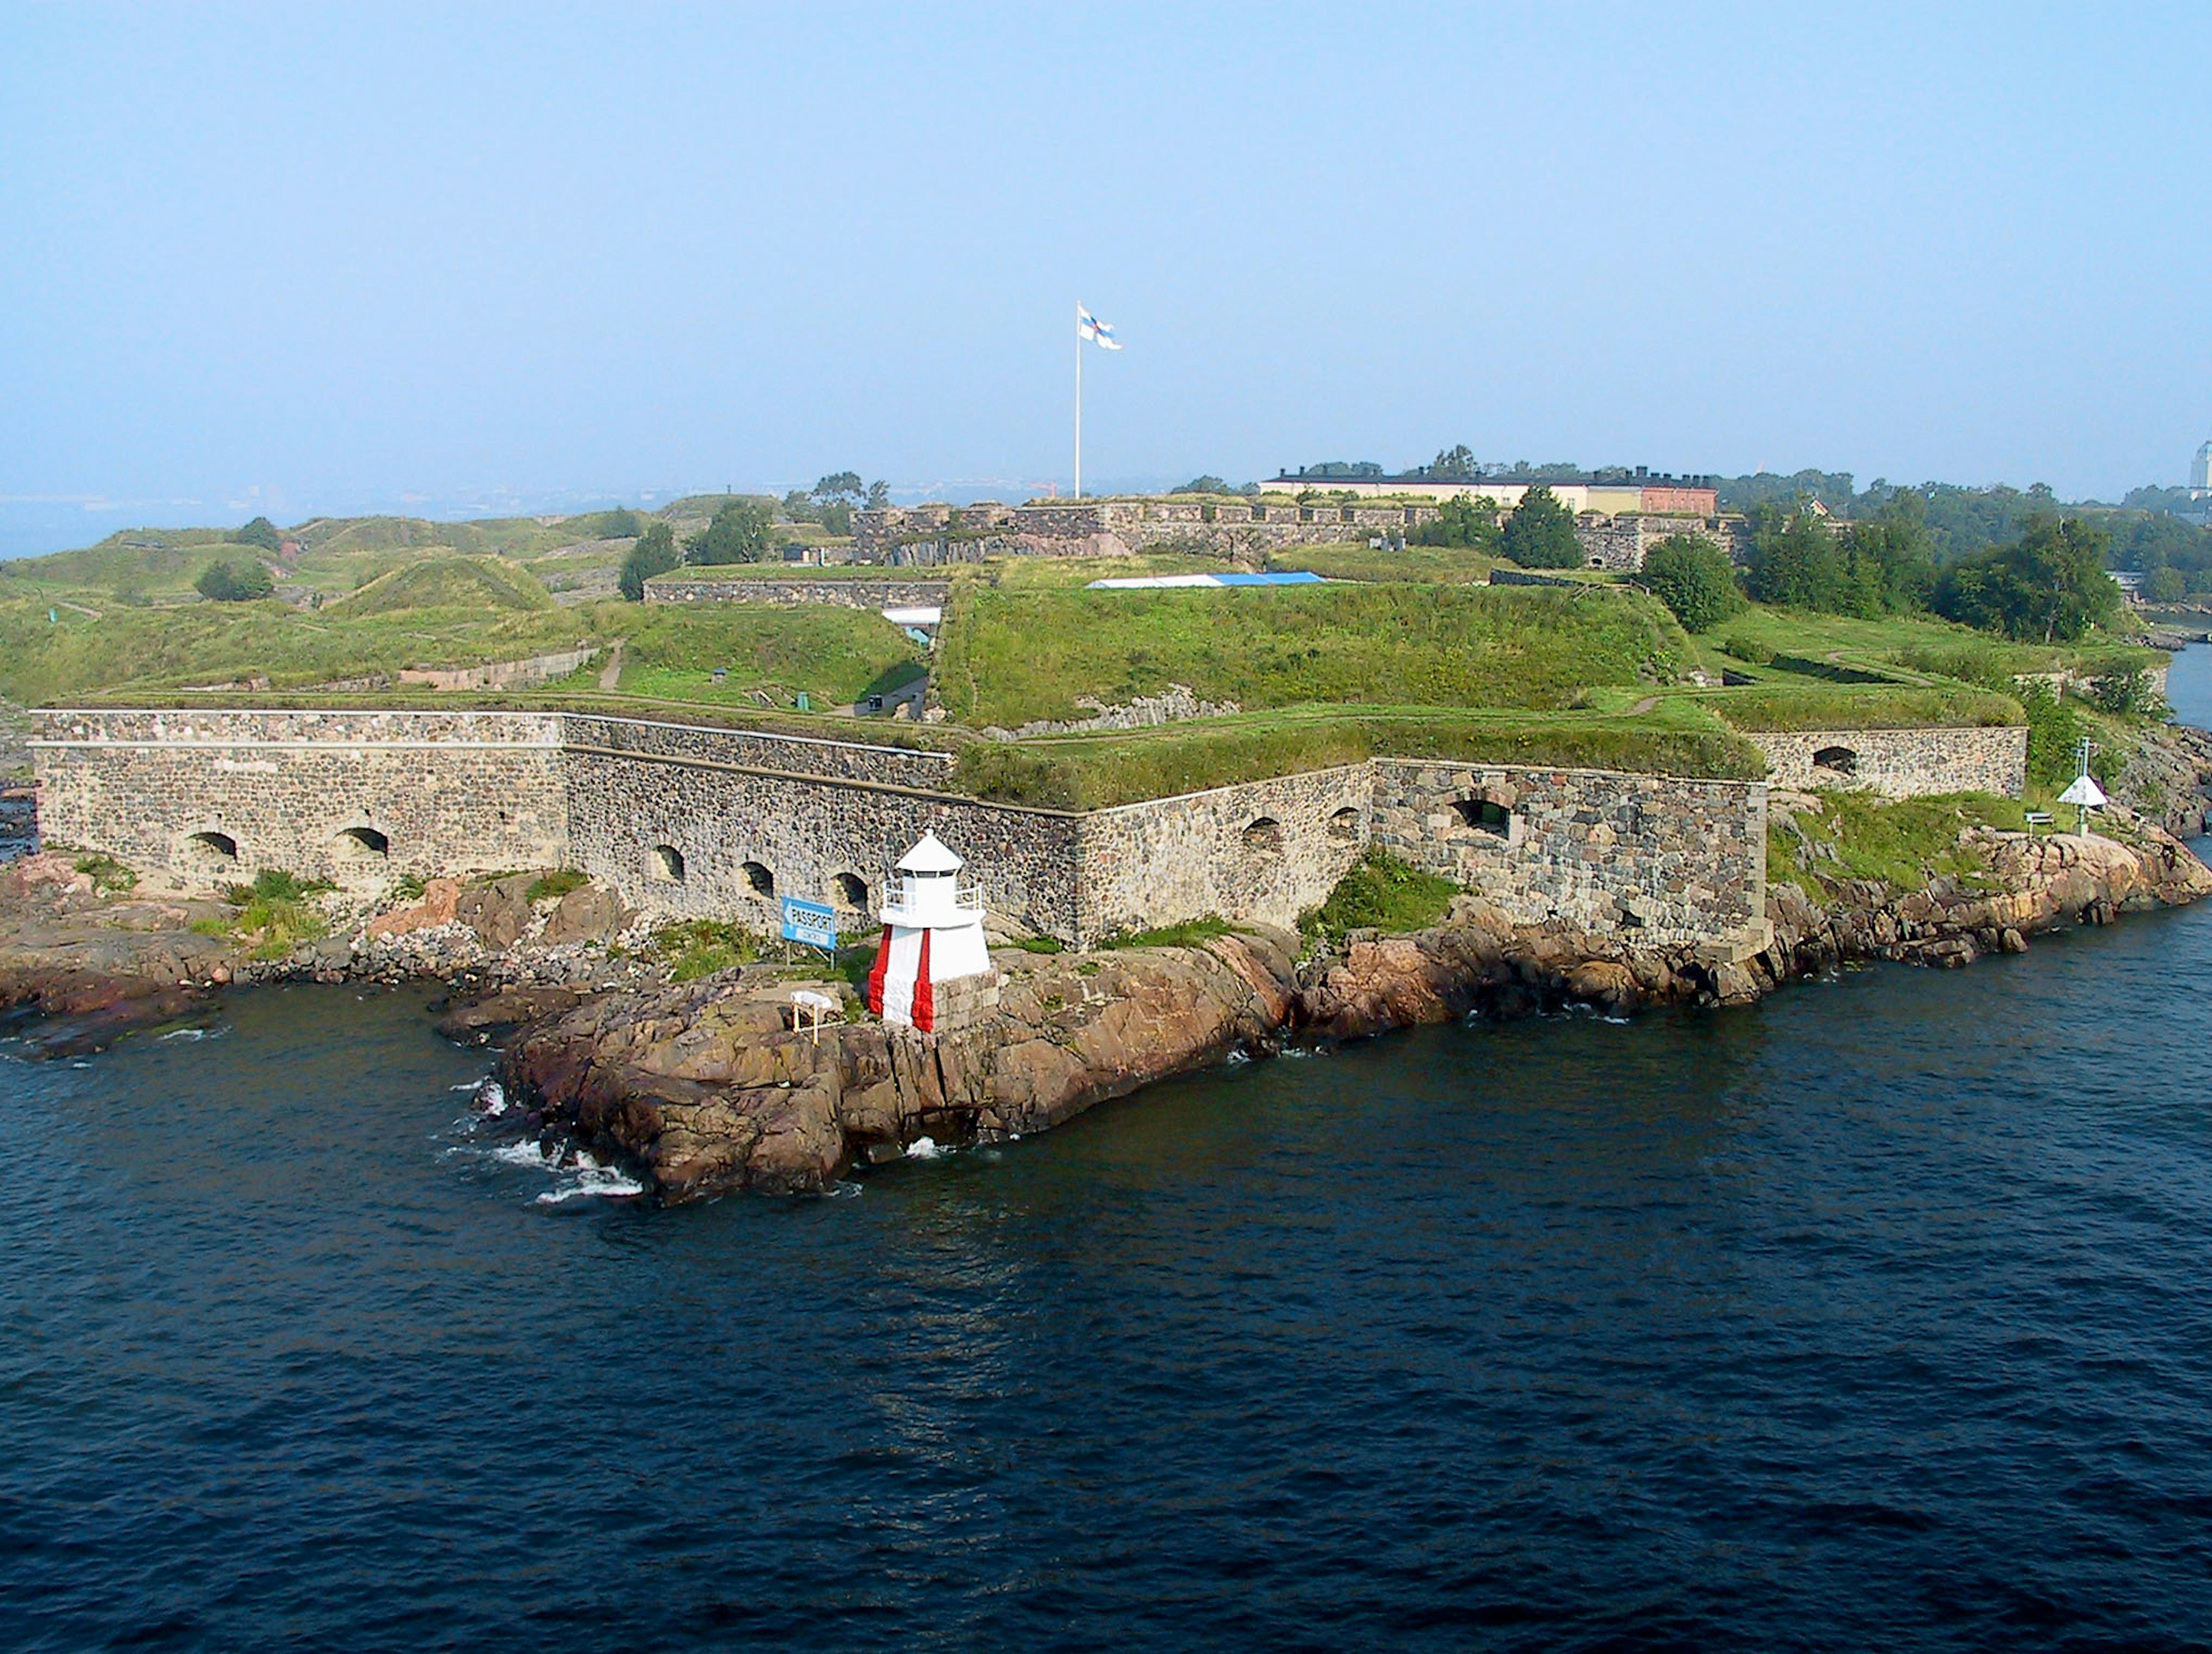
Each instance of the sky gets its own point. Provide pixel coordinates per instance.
(308, 257)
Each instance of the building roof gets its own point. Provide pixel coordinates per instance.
(930, 855)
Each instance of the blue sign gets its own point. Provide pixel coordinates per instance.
(814, 923)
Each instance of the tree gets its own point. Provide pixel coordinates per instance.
(1693, 577)
(840, 485)
(1207, 483)
(737, 534)
(654, 553)
(2051, 588)
(234, 582)
(879, 495)
(1540, 533)
(1462, 520)
(621, 524)
(1453, 465)
(261, 533)
(2167, 585)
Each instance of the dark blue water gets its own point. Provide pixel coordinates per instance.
(1877, 1317)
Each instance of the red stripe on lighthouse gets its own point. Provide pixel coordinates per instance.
(876, 975)
(925, 1000)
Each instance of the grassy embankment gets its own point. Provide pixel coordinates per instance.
(448, 612)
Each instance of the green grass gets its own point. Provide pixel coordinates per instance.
(1435, 564)
(1909, 645)
(1899, 844)
(109, 876)
(559, 881)
(1007, 658)
(693, 948)
(1776, 705)
(835, 655)
(1094, 772)
(1192, 932)
(276, 915)
(1382, 893)
(486, 583)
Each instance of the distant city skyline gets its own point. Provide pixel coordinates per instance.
(347, 257)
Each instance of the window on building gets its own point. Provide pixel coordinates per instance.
(666, 863)
(363, 844)
(758, 879)
(1485, 816)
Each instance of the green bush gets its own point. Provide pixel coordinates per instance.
(2125, 693)
(234, 582)
(1540, 533)
(558, 882)
(109, 876)
(1749, 650)
(1380, 892)
(1693, 577)
(654, 553)
(1191, 933)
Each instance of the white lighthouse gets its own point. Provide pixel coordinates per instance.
(2200, 474)
(932, 936)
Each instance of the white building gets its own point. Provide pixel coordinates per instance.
(932, 935)
(2200, 474)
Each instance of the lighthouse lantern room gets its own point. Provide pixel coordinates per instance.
(932, 935)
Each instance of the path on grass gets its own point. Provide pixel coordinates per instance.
(610, 675)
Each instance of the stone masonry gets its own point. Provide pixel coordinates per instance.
(1673, 860)
(1898, 763)
(858, 593)
(685, 821)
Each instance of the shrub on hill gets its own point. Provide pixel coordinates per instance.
(263, 533)
(1464, 522)
(654, 553)
(738, 533)
(2050, 588)
(234, 582)
(1692, 576)
(1540, 533)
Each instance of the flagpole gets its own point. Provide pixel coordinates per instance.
(1079, 398)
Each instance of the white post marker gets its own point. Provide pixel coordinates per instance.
(1087, 326)
(2084, 794)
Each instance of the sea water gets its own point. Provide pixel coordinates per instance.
(1877, 1316)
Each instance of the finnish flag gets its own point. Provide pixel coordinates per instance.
(1088, 327)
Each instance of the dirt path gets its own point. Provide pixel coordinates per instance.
(611, 676)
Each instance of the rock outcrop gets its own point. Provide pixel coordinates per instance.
(711, 1088)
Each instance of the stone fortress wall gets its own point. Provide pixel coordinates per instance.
(220, 796)
(685, 821)
(1898, 763)
(858, 593)
(935, 536)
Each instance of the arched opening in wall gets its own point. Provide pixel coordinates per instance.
(849, 890)
(666, 863)
(1840, 759)
(758, 879)
(211, 849)
(1484, 816)
(1263, 837)
(1343, 826)
(363, 844)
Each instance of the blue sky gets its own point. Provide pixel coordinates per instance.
(351, 256)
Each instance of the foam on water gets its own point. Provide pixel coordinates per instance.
(592, 1182)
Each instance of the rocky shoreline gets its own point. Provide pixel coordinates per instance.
(711, 1089)
(707, 1088)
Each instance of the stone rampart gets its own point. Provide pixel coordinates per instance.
(1674, 860)
(1898, 763)
(795, 755)
(1620, 542)
(858, 592)
(685, 821)
(1262, 850)
(353, 796)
